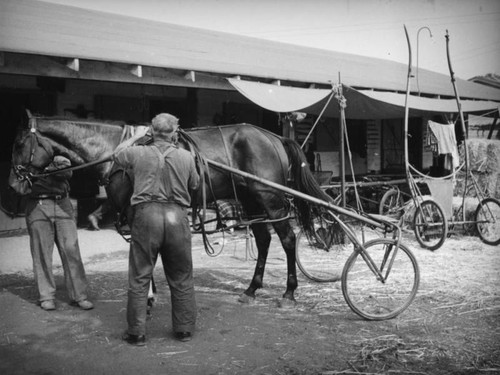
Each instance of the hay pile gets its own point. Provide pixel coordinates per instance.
(484, 162)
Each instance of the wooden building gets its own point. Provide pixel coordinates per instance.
(62, 60)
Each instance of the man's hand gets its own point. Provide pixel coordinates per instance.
(140, 131)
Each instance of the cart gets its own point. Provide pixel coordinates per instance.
(380, 276)
(435, 215)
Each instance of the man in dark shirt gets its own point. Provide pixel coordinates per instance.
(49, 219)
(163, 175)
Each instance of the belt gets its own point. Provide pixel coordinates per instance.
(49, 196)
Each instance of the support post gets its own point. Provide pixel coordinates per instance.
(492, 127)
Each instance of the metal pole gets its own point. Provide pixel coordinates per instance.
(407, 114)
(342, 146)
(462, 122)
(296, 193)
(418, 34)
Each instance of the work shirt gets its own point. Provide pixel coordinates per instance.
(162, 172)
(55, 185)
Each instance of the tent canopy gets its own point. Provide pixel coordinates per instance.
(361, 104)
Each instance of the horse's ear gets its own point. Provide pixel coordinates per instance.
(25, 115)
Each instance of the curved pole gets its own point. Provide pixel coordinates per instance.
(407, 112)
(418, 34)
(462, 122)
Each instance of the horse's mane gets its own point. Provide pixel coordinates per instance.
(80, 139)
(79, 122)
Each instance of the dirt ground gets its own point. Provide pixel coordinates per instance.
(452, 327)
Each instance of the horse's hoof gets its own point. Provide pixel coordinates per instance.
(286, 303)
(246, 299)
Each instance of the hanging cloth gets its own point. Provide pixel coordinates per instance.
(446, 140)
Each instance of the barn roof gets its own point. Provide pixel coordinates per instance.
(39, 28)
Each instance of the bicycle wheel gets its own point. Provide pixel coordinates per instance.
(391, 202)
(321, 259)
(430, 225)
(367, 294)
(487, 220)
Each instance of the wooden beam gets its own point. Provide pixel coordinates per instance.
(47, 66)
(74, 64)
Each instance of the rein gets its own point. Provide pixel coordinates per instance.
(76, 167)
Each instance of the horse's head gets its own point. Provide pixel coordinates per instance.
(31, 153)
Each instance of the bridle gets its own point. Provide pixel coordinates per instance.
(22, 171)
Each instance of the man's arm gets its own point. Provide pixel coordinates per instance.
(140, 131)
(60, 162)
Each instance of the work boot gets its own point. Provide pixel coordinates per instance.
(136, 340)
(48, 305)
(84, 305)
(183, 336)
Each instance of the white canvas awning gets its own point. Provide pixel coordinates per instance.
(280, 98)
(361, 104)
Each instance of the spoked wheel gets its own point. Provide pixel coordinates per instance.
(322, 258)
(487, 220)
(392, 201)
(379, 298)
(430, 225)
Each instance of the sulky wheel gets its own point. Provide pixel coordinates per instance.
(430, 225)
(321, 258)
(375, 297)
(391, 202)
(487, 221)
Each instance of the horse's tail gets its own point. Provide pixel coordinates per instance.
(304, 181)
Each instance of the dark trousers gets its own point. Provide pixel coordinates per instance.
(52, 221)
(161, 228)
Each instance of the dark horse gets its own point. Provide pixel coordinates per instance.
(243, 146)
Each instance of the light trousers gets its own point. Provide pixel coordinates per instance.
(52, 222)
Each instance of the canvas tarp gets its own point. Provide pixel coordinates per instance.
(361, 104)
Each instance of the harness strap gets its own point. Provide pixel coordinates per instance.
(204, 170)
(226, 150)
